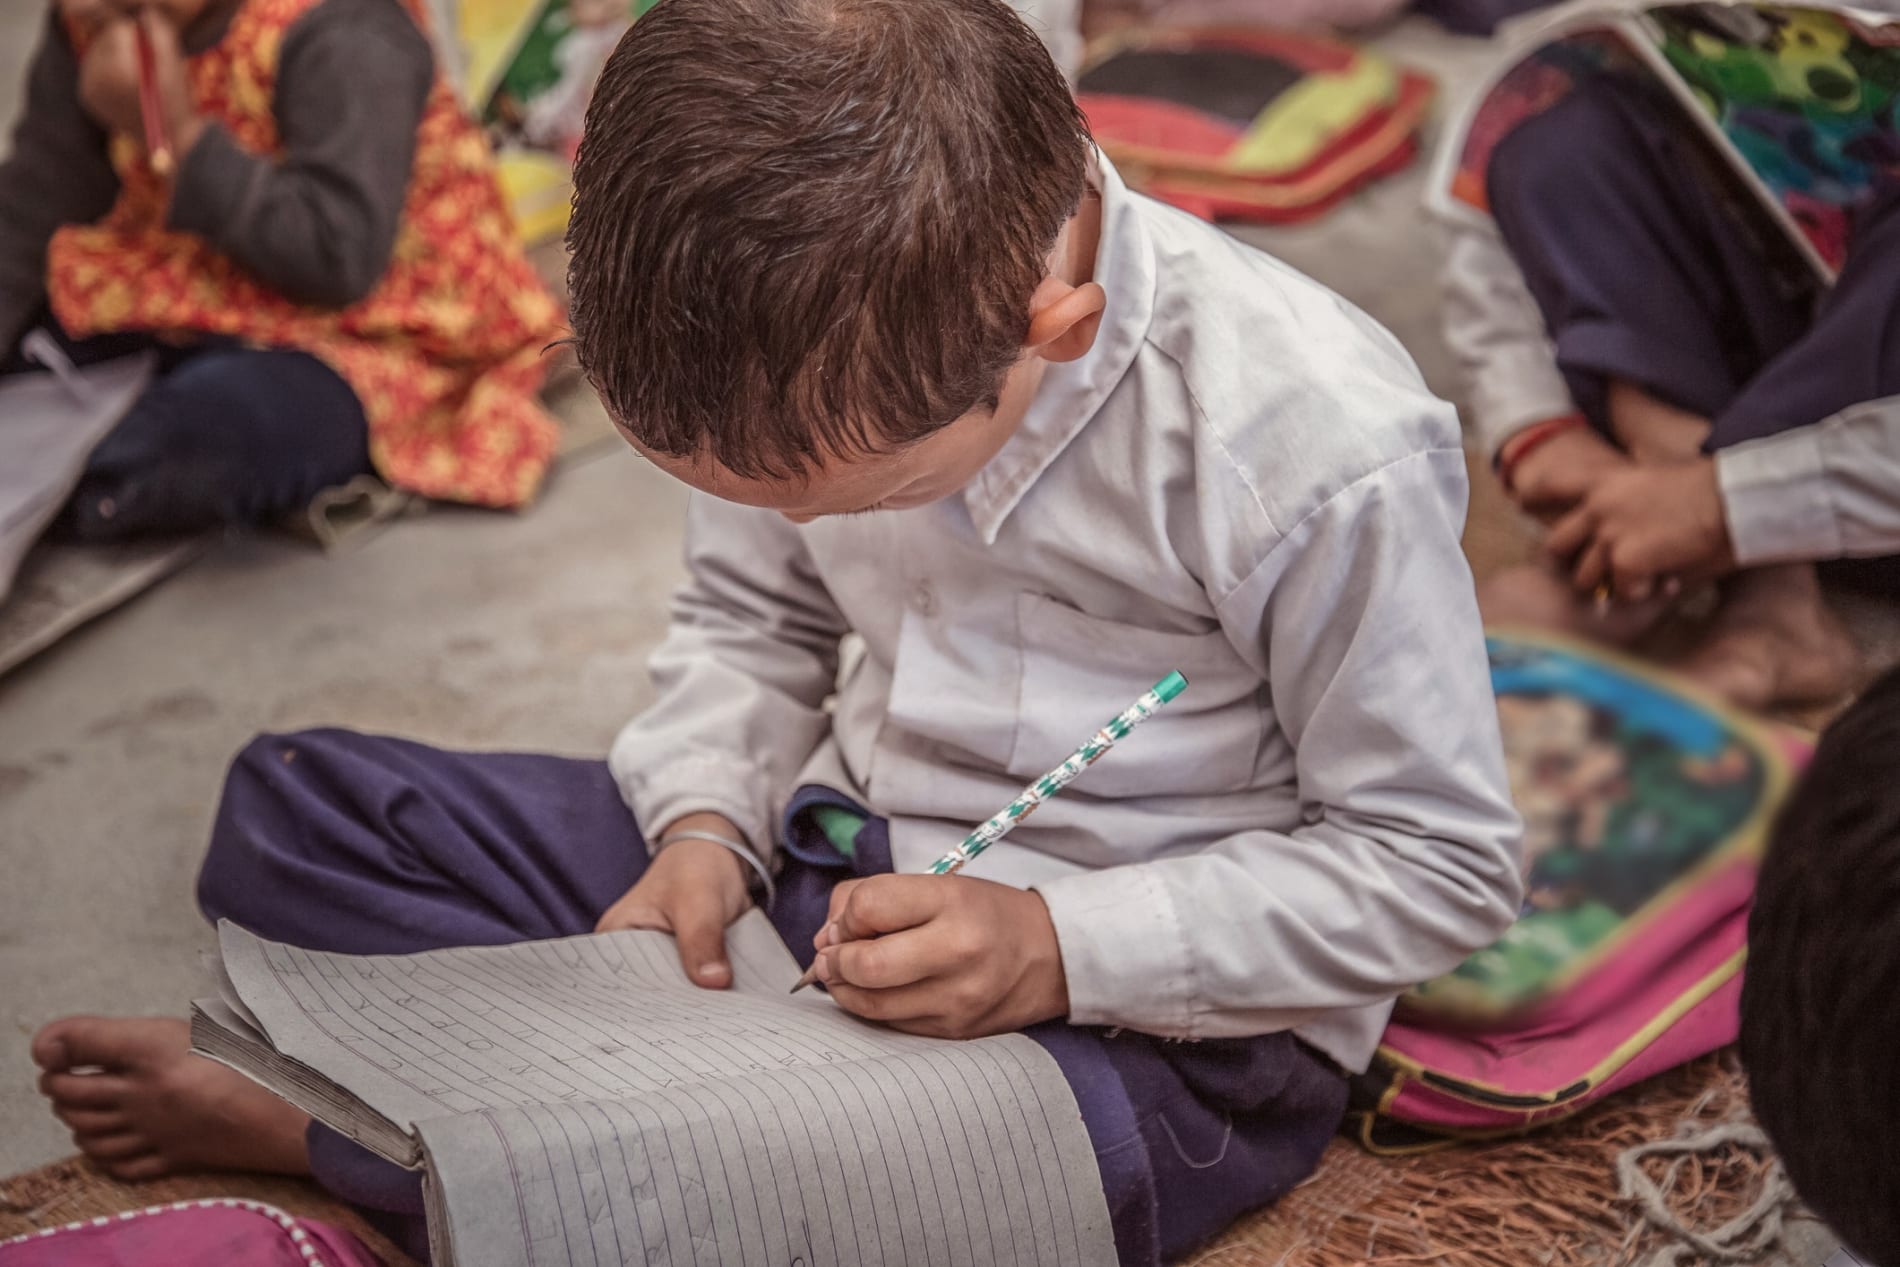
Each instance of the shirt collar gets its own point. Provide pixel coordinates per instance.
(1071, 393)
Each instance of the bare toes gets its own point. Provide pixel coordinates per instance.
(91, 1121)
(110, 1042)
(120, 1146)
(86, 1090)
(138, 1169)
(50, 1049)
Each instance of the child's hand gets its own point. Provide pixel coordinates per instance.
(1555, 476)
(1644, 525)
(948, 956)
(691, 889)
(109, 78)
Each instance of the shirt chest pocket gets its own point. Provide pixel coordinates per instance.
(1080, 670)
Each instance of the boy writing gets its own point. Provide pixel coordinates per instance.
(850, 268)
(325, 270)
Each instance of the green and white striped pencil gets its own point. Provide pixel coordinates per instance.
(1006, 819)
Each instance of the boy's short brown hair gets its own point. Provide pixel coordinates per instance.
(810, 228)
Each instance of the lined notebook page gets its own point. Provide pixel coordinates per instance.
(961, 1154)
(530, 1068)
(481, 1027)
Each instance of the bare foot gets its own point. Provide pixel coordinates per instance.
(1774, 642)
(1539, 597)
(140, 1105)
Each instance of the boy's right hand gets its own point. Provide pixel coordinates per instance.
(692, 889)
(1555, 476)
(109, 74)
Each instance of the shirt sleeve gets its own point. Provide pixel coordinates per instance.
(56, 173)
(1363, 623)
(1496, 330)
(741, 678)
(318, 224)
(1826, 491)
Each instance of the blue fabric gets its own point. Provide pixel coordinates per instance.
(359, 844)
(1649, 268)
(226, 434)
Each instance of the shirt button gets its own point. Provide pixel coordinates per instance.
(924, 601)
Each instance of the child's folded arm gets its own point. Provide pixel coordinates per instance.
(56, 172)
(749, 659)
(1363, 622)
(1826, 491)
(319, 224)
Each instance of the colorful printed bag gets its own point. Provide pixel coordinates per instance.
(1645, 811)
(191, 1234)
(1250, 123)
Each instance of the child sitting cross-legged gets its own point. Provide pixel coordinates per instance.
(851, 269)
(1658, 383)
(316, 251)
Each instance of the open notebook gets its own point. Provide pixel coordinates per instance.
(580, 1102)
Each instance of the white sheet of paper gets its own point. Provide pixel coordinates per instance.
(581, 1102)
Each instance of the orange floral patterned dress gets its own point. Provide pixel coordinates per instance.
(445, 353)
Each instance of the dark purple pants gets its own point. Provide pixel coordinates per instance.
(225, 434)
(1648, 269)
(353, 843)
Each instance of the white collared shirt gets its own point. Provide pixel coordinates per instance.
(1245, 480)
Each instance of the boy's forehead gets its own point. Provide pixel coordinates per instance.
(828, 486)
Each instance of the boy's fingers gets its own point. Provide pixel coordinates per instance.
(891, 903)
(906, 1003)
(882, 963)
(638, 913)
(839, 896)
(699, 925)
(1570, 535)
(1593, 567)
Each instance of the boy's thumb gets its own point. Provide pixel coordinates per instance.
(701, 934)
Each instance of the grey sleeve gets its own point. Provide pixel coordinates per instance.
(318, 225)
(56, 173)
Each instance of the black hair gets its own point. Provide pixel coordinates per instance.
(1821, 999)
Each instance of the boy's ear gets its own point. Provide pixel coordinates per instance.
(1064, 319)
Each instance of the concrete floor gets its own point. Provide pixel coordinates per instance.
(459, 628)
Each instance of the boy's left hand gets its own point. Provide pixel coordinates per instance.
(109, 79)
(1646, 524)
(948, 956)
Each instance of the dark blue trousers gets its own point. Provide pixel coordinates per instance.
(1650, 266)
(226, 434)
(345, 842)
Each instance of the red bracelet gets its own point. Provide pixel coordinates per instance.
(1531, 439)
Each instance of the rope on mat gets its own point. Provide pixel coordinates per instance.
(1744, 1239)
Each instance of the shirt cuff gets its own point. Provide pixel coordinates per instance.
(1775, 497)
(1516, 390)
(1124, 951)
(661, 796)
(215, 180)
